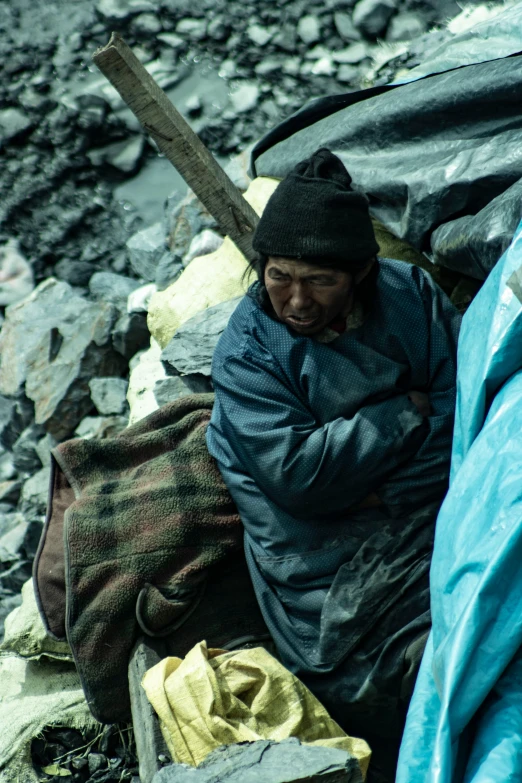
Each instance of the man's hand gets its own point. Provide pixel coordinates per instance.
(421, 402)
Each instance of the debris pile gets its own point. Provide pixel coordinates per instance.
(107, 756)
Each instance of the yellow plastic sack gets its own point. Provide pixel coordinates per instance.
(208, 280)
(213, 697)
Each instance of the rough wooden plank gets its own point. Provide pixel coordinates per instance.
(178, 142)
(147, 733)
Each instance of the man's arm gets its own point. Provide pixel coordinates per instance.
(305, 468)
(424, 479)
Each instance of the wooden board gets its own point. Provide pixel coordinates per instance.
(147, 733)
(178, 142)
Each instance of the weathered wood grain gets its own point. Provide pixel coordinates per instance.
(178, 142)
(147, 733)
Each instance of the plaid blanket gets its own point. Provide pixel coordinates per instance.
(132, 546)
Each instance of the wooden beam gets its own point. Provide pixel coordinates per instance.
(178, 142)
(147, 733)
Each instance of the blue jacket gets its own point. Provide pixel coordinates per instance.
(304, 429)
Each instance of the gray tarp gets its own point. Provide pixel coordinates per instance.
(427, 153)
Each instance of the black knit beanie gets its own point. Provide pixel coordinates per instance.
(313, 214)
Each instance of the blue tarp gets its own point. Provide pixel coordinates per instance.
(465, 719)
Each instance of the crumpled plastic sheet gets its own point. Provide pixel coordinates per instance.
(465, 720)
(431, 150)
(497, 36)
(474, 243)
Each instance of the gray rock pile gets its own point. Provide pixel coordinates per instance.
(68, 141)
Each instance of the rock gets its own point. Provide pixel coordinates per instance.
(10, 492)
(55, 341)
(405, 26)
(9, 521)
(291, 66)
(347, 74)
(7, 469)
(186, 220)
(285, 39)
(93, 112)
(125, 156)
(322, 67)
(138, 301)
(334, 5)
(16, 275)
(146, 248)
(218, 29)
(197, 383)
(233, 43)
(15, 415)
(352, 54)
(32, 537)
(228, 69)
(101, 426)
(168, 269)
(35, 493)
(13, 123)
(25, 456)
(11, 542)
(171, 204)
(237, 169)
(271, 109)
(146, 370)
(15, 577)
(172, 40)
(270, 65)
(193, 29)
(266, 761)
(169, 389)
(193, 105)
(245, 96)
(146, 24)
(345, 27)
(317, 52)
(96, 761)
(259, 35)
(203, 243)
(8, 602)
(130, 334)
(371, 17)
(77, 273)
(43, 449)
(112, 288)
(109, 395)
(309, 29)
(118, 10)
(192, 347)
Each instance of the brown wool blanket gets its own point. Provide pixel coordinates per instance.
(133, 525)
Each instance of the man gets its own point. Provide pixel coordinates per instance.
(332, 427)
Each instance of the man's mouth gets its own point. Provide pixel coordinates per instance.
(301, 321)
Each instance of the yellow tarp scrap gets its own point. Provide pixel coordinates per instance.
(213, 697)
(208, 280)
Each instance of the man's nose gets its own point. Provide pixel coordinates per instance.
(299, 296)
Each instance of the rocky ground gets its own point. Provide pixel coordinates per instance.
(84, 235)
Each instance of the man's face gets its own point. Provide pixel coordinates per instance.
(306, 296)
